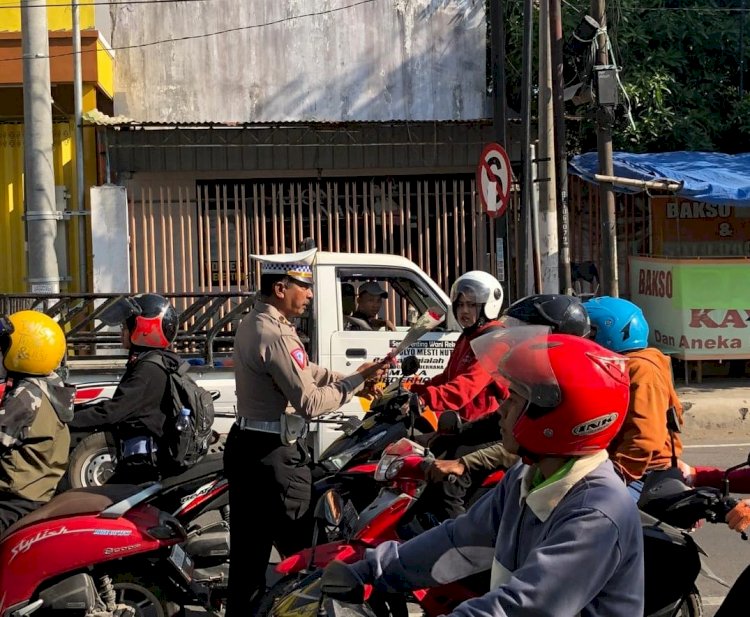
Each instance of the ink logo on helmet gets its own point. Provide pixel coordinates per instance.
(596, 425)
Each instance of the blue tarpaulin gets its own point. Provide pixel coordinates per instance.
(715, 178)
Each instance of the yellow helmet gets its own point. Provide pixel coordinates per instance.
(37, 344)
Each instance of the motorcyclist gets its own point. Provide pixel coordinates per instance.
(644, 442)
(464, 386)
(561, 313)
(138, 409)
(34, 410)
(560, 533)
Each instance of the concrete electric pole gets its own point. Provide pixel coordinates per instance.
(561, 156)
(39, 177)
(605, 81)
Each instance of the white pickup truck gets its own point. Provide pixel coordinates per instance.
(95, 362)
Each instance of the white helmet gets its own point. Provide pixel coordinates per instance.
(482, 288)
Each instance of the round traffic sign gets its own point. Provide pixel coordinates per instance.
(493, 179)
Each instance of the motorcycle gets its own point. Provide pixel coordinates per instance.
(193, 504)
(348, 464)
(668, 547)
(83, 552)
(401, 471)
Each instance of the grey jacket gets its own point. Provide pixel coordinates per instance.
(571, 547)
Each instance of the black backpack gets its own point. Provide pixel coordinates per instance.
(181, 449)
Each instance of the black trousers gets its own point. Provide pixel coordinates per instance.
(135, 469)
(13, 508)
(269, 484)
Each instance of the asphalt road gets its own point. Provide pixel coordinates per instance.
(728, 554)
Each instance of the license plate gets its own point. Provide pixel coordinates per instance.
(182, 561)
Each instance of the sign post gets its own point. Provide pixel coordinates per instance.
(493, 179)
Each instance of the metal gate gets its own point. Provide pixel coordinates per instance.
(200, 238)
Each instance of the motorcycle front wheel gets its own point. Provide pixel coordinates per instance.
(691, 606)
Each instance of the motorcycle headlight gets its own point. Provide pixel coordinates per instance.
(381, 473)
(394, 468)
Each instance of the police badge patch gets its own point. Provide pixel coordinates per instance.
(300, 357)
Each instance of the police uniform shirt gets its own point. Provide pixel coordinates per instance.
(272, 371)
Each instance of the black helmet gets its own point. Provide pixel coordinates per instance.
(156, 325)
(564, 314)
(150, 318)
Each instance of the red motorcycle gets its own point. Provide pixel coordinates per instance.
(402, 468)
(67, 555)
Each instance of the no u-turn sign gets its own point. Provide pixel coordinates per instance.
(493, 179)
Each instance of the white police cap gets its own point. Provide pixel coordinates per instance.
(297, 266)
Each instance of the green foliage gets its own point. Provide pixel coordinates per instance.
(680, 69)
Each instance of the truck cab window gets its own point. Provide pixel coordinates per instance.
(377, 300)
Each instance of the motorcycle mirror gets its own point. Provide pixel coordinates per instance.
(409, 366)
(330, 507)
(449, 422)
(673, 423)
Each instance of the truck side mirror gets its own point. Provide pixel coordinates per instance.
(409, 365)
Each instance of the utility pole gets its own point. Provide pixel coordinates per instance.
(561, 157)
(524, 250)
(39, 178)
(606, 95)
(78, 113)
(497, 55)
(546, 176)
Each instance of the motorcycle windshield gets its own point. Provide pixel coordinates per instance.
(117, 311)
(518, 357)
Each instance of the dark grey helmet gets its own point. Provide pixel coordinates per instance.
(563, 314)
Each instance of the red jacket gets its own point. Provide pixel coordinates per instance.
(464, 386)
(739, 479)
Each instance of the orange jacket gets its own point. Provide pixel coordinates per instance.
(643, 442)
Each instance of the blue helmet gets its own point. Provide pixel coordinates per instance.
(619, 325)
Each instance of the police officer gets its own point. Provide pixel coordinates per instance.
(34, 410)
(278, 391)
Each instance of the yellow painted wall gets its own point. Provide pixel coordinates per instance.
(58, 18)
(12, 227)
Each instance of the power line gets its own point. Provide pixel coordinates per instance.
(112, 3)
(205, 34)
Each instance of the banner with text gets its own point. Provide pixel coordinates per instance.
(697, 309)
(685, 228)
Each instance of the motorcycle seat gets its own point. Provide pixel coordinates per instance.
(210, 465)
(91, 500)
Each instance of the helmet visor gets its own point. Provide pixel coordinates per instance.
(512, 322)
(471, 289)
(533, 377)
(118, 310)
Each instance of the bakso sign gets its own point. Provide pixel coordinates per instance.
(696, 309)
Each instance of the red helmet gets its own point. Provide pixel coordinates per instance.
(577, 393)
